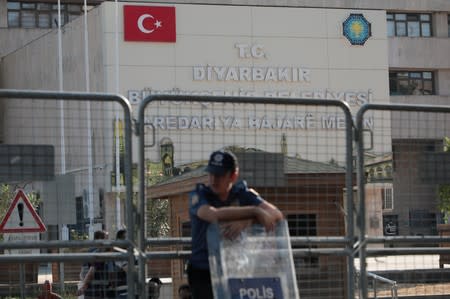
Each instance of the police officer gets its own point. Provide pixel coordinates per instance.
(224, 199)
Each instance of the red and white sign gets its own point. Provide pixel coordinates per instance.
(21, 217)
(149, 23)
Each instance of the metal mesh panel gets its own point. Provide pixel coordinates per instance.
(293, 155)
(62, 154)
(405, 179)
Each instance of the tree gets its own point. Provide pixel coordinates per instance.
(157, 218)
(157, 214)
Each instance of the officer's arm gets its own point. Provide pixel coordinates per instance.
(212, 214)
(272, 210)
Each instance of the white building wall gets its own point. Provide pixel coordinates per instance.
(14, 38)
(297, 36)
(35, 66)
(306, 38)
(431, 5)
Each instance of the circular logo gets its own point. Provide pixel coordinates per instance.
(357, 29)
(218, 158)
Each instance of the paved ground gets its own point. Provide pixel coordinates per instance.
(416, 290)
(407, 262)
(402, 262)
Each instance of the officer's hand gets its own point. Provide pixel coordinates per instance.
(265, 219)
(232, 229)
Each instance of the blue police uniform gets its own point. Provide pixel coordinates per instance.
(239, 195)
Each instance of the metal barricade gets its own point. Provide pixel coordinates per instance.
(297, 153)
(57, 147)
(388, 225)
(401, 204)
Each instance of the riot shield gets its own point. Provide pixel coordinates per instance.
(256, 265)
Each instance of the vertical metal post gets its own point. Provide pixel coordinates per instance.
(129, 205)
(22, 280)
(361, 197)
(350, 235)
(141, 159)
(375, 288)
(254, 100)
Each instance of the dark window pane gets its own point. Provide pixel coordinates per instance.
(425, 17)
(393, 87)
(401, 29)
(389, 16)
(428, 87)
(13, 19)
(28, 5)
(427, 75)
(426, 29)
(44, 6)
(400, 17)
(44, 21)
(417, 87)
(413, 29)
(13, 5)
(55, 20)
(28, 19)
(412, 17)
(55, 7)
(403, 87)
(390, 28)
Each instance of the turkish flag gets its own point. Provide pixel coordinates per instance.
(149, 23)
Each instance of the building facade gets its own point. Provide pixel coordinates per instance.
(299, 49)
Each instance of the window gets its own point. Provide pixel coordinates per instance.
(411, 83)
(40, 15)
(303, 225)
(448, 25)
(412, 25)
(387, 199)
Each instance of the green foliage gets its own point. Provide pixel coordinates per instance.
(444, 201)
(157, 218)
(154, 173)
(157, 214)
(6, 196)
(446, 142)
(444, 190)
(7, 193)
(74, 235)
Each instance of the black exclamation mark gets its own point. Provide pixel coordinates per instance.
(20, 208)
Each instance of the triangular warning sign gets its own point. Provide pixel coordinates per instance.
(21, 217)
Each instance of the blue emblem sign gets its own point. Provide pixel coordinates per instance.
(357, 29)
(255, 288)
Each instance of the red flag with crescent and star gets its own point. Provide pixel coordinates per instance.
(149, 23)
